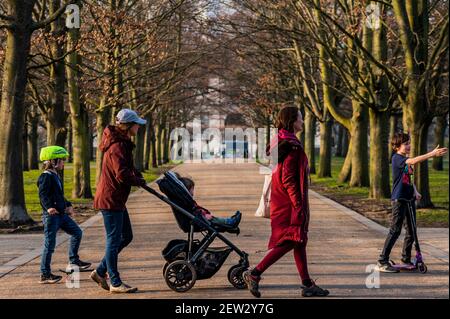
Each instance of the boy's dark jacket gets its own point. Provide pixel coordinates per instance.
(51, 194)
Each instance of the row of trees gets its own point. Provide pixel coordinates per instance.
(145, 55)
(373, 67)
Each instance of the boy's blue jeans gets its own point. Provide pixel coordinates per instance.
(52, 223)
(118, 235)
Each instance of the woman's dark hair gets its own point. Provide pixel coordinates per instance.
(287, 117)
(398, 139)
(189, 183)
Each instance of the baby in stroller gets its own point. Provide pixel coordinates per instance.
(232, 221)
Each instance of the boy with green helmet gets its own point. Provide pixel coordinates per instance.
(53, 152)
(56, 213)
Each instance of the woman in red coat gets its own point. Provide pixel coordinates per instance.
(289, 207)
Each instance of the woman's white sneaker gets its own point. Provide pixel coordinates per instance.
(122, 289)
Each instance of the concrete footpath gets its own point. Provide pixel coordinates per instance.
(342, 246)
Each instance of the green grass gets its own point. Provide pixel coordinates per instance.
(31, 189)
(439, 182)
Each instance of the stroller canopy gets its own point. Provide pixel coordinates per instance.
(175, 190)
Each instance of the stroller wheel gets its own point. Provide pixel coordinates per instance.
(235, 277)
(180, 276)
(422, 267)
(168, 263)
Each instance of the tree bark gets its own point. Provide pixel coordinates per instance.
(57, 116)
(325, 148)
(339, 141)
(310, 133)
(148, 142)
(33, 161)
(346, 170)
(25, 148)
(12, 197)
(103, 118)
(70, 144)
(166, 143)
(153, 151)
(360, 168)
(421, 173)
(379, 155)
(139, 150)
(79, 123)
(439, 137)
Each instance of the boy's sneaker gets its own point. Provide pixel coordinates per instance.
(386, 267)
(101, 281)
(122, 289)
(252, 282)
(81, 264)
(314, 291)
(50, 279)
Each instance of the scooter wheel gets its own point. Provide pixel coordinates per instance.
(422, 268)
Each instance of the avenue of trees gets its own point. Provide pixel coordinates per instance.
(145, 55)
(370, 67)
(358, 70)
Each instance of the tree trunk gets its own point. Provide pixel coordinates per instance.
(56, 113)
(166, 143)
(70, 144)
(360, 168)
(346, 170)
(103, 118)
(25, 148)
(12, 197)
(159, 143)
(439, 137)
(345, 141)
(310, 133)
(379, 155)
(139, 150)
(153, 152)
(339, 140)
(33, 161)
(148, 142)
(421, 173)
(325, 148)
(79, 118)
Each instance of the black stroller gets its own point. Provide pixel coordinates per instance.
(192, 259)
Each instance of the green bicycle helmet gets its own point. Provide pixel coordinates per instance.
(53, 152)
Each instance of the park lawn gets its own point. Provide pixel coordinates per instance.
(439, 182)
(31, 189)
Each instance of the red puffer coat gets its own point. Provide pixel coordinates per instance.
(289, 206)
(118, 172)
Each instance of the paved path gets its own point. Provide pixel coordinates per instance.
(342, 244)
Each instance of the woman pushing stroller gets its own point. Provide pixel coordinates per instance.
(117, 177)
